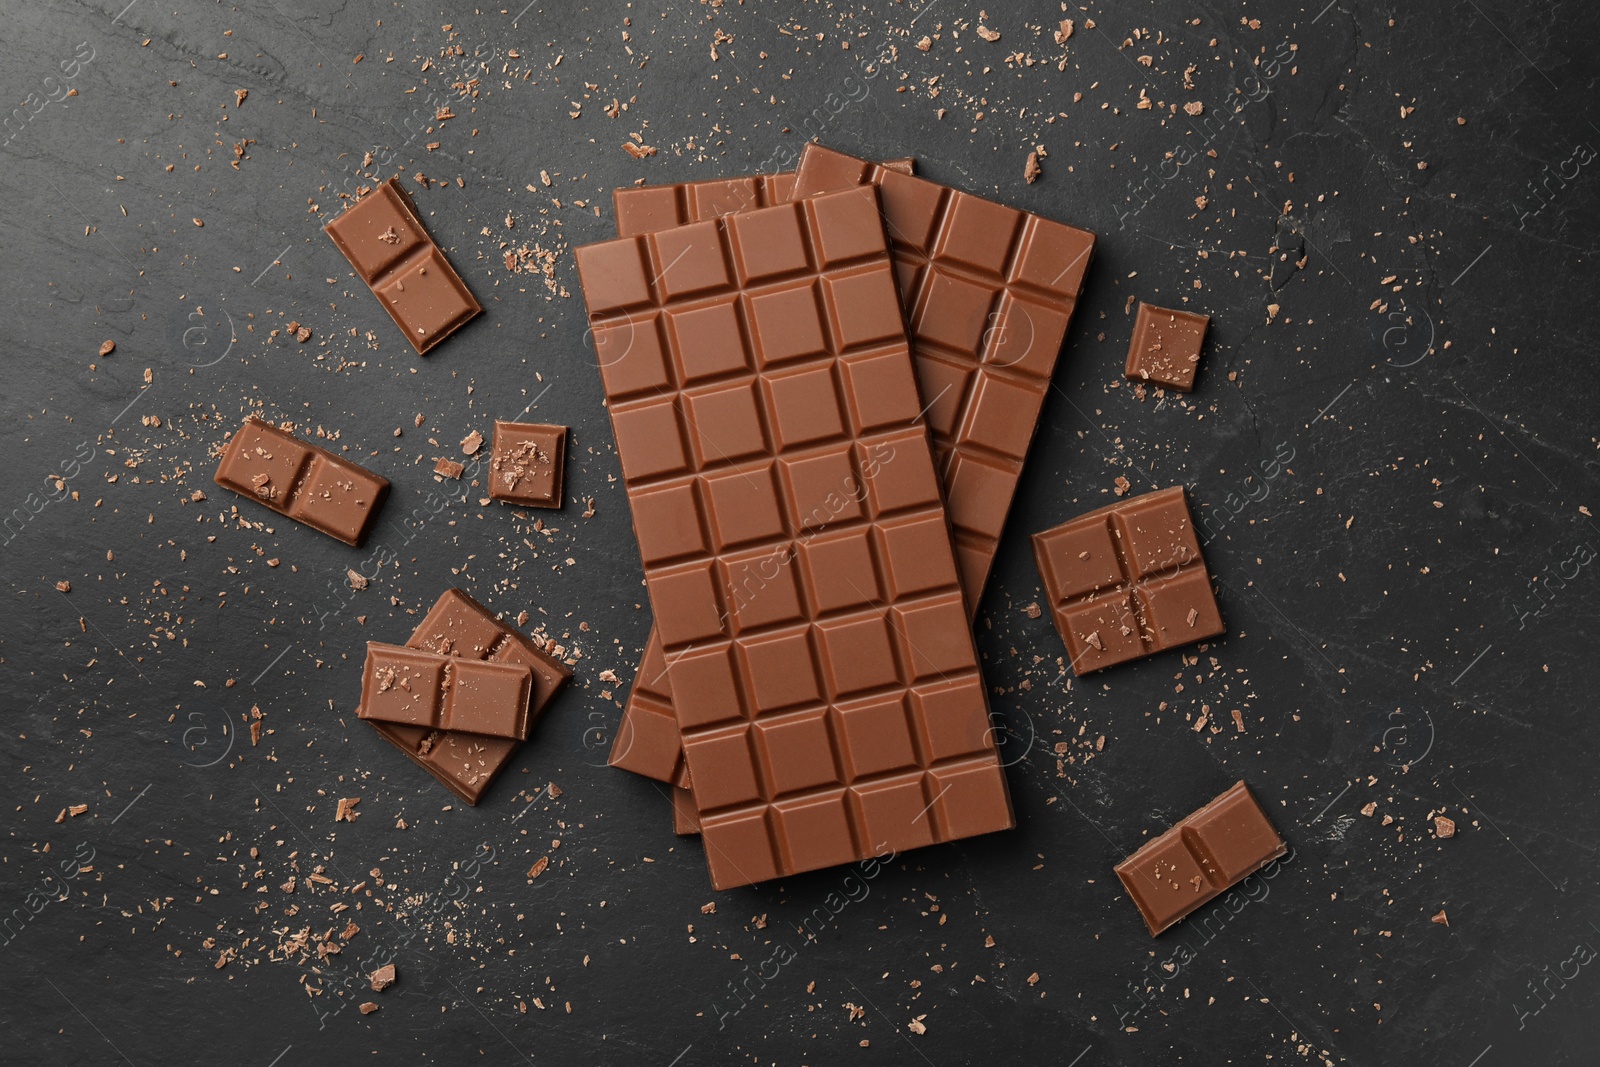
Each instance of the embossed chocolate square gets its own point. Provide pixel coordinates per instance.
(527, 462)
(1127, 580)
(1166, 346)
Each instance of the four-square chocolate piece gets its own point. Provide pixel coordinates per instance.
(1200, 858)
(526, 463)
(385, 241)
(1166, 346)
(300, 480)
(1127, 580)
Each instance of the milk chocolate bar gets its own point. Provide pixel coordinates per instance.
(1200, 858)
(300, 480)
(1127, 580)
(467, 764)
(793, 530)
(986, 393)
(416, 688)
(384, 239)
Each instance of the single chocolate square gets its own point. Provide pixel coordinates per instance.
(1200, 858)
(385, 241)
(1166, 346)
(1127, 580)
(300, 480)
(527, 462)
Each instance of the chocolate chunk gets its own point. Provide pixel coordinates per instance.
(1200, 858)
(467, 764)
(527, 462)
(382, 978)
(416, 688)
(384, 240)
(300, 480)
(1166, 346)
(792, 524)
(1127, 580)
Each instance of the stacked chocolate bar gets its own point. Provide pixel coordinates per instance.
(460, 697)
(822, 403)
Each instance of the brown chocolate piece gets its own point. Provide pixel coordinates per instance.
(988, 293)
(385, 241)
(685, 813)
(1127, 580)
(648, 208)
(467, 764)
(416, 688)
(1200, 858)
(1166, 346)
(647, 740)
(793, 531)
(300, 480)
(527, 462)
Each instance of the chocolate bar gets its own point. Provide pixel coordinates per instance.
(1200, 858)
(648, 208)
(416, 688)
(964, 480)
(467, 764)
(1127, 580)
(988, 293)
(300, 480)
(385, 241)
(793, 532)
(527, 463)
(1166, 346)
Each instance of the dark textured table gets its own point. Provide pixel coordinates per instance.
(1391, 449)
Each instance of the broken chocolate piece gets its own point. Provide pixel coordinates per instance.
(1127, 580)
(1166, 346)
(384, 240)
(527, 462)
(300, 480)
(1200, 858)
(416, 688)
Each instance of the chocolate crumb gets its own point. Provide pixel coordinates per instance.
(382, 978)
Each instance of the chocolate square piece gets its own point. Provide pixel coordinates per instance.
(1166, 346)
(416, 688)
(467, 764)
(384, 240)
(1127, 580)
(757, 665)
(1200, 858)
(527, 462)
(300, 480)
